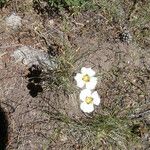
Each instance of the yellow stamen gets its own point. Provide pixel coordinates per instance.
(89, 100)
(86, 78)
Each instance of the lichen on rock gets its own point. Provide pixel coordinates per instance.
(29, 56)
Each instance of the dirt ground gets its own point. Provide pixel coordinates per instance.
(123, 68)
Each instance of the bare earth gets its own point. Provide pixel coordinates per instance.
(124, 70)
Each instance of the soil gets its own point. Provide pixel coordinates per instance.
(124, 70)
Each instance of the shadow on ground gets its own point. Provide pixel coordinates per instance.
(34, 80)
(3, 130)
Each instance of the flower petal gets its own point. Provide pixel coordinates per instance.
(83, 70)
(88, 71)
(87, 108)
(78, 78)
(80, 84)
(84, 93)
(92, 84)
(91, 72)
(96, 98)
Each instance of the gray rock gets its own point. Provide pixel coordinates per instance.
(29, 56)
(13, 21)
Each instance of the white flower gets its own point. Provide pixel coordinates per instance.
(86, 78)
(88, 100)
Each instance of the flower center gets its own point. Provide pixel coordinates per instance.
(86, 78)
(89, 100)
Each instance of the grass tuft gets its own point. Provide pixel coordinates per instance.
(101, 132)
(61, 77)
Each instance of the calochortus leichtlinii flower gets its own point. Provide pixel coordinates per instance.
(88, 100)
(86, 78)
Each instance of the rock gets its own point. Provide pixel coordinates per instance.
(13, 21)
(30, 56)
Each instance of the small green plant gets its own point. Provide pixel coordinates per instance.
(68, 4)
